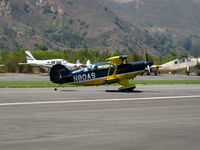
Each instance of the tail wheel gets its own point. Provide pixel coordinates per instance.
(187, 73)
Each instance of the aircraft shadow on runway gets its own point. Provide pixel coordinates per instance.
(114, 91)
(67, 90)
(117, 91)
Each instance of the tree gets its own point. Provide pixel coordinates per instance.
(42, 47)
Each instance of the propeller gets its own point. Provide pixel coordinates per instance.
(148, 64)
(146, 61)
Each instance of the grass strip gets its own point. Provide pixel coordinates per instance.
(34, 84)
(28, 84)
(166, 81)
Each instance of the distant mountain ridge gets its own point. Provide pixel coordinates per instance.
(68, 24)
(177, 19)
(180, 15)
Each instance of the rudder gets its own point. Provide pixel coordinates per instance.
(58, 72)
(29, 56)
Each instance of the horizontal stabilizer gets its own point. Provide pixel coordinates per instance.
(22, 63)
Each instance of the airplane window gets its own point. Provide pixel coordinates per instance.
(105, 66)
(65, 62)
(58, 62)
(53, 62)
(48, 62)
(182, 60)
(176, 62)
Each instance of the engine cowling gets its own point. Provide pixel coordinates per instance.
(198, 62)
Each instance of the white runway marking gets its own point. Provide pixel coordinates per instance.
(98, 100)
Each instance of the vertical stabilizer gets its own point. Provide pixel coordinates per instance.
(29, 56)
(88, 63)
(77, 61)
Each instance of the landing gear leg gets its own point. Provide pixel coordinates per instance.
(126, 86)
(187, 71)
(127, 89)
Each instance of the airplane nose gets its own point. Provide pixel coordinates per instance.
(198, 62)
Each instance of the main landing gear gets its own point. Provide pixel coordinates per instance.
(123, 89)
(127, 89)
(127, 86)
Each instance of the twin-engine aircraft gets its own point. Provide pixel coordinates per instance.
(187, 64)
(47, 64)
(115, 70)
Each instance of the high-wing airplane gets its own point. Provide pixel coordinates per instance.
(115, 70)
(47, 64)
(187, 64)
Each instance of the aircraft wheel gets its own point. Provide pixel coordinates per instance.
(127, 89)
(55, 89)
(187, 73)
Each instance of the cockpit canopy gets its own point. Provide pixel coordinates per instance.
(183, 60)
(101, 66)
(64, 61)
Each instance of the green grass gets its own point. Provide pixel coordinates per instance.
(27, 84)
(34, 84)
(166, 81)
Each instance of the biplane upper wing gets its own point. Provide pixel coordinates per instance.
(117, 59)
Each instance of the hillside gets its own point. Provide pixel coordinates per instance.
(177, 20)
(68, 24)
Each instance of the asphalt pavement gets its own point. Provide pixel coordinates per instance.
(45, 76)
(154, 117)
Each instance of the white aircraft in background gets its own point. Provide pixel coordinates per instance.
(187, 64)
(47, 64)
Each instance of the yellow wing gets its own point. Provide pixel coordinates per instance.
(117, 59)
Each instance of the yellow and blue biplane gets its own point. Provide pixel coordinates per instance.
(114, 70)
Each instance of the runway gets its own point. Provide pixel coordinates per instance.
(154, 117)
(44, 76)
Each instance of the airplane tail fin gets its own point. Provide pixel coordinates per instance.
(59, 72)
(77, 61)
(29, 56)
(88, 63)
